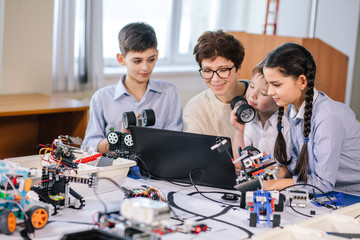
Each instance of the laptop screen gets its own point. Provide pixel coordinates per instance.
(173, 155)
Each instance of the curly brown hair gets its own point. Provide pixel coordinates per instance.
(212, 44)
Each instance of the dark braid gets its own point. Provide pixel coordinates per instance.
(303, 160)
(280, 144)
(294, 60)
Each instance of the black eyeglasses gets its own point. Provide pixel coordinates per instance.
(221, 72)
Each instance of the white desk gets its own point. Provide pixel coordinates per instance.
(69, 220)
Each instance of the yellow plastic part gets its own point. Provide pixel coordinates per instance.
(27, 184)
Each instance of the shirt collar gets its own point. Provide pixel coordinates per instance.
(272, 120)
(121, 89)
(300, 114)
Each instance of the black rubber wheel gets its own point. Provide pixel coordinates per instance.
(245, 113)
(7, 222)
(112, 138)
(237, 101)
(38, 216)
(276, 220)
(253, 219)
(148, 117)
(129, 119)
(280, 206)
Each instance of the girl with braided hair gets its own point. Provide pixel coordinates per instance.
(325, 135)
(262, 132)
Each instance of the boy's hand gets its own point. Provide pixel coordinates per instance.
(124, 130)
(103, 146)
(234, 121)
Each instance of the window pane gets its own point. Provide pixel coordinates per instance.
(117, 14)
(196, 17)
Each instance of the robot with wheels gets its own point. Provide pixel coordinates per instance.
(255, 171)
(15, 205)
(254, 165)
(121, 144)
(254, 168)
(54, 187)
(264, 203)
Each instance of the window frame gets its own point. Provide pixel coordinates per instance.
(173, 59)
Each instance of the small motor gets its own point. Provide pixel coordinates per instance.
(147, 118)
(245, 113)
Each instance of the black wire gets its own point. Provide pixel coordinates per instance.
(172, 181)
(357, 216)
(72, 222)
(298, 211)
(172, 203)
(146, 171)
(24, 235)
(180, 183)
(208, 197)
(225, 210)
(176, 216)
(101, 201)
(306, 184)
(193, 193)
(97, 195)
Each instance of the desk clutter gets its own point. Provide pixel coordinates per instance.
(39, 194)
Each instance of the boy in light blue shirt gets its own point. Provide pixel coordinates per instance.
(134, 91)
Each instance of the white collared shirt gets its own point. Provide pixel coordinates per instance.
(263, 138)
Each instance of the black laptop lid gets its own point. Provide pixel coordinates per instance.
(172, 155)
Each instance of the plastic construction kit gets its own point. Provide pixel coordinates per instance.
(15, 206)
(60, 164)
(144, 218)
(264, 203)
(54, 187)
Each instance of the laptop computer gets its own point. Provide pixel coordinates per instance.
(175, 156)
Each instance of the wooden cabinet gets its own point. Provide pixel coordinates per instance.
(331, 64)
(27, 120)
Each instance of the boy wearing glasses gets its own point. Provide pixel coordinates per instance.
(135, 91)
(219, 56)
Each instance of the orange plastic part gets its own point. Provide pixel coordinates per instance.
(11, 222)
(39, 218)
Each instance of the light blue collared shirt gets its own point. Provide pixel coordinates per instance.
(333, 147)
(108, 104)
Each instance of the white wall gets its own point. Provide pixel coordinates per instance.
(255, 16)
(27, 46)
(294, 18)
(337, 24)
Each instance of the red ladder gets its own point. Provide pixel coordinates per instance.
(273, 14)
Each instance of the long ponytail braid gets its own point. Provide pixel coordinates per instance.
(292, 59)
(280, 153)
(303, 160)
